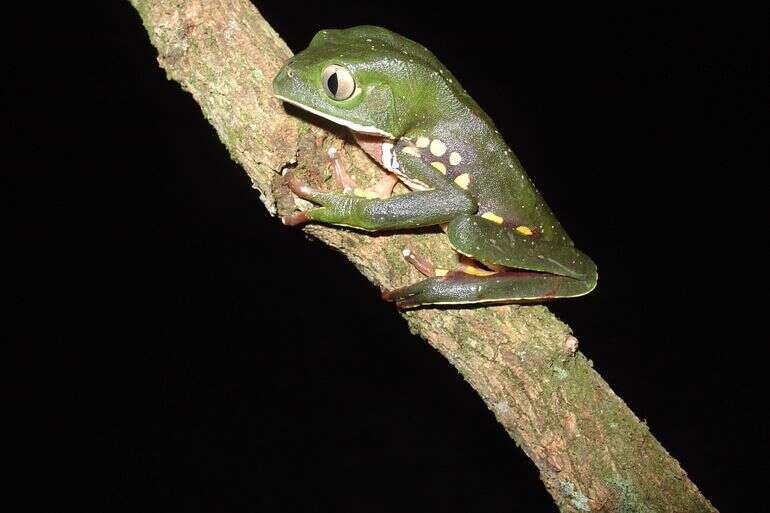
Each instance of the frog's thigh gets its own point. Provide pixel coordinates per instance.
(493, 243)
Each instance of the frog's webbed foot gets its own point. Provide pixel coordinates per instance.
(383, 189)
(304, 191)
(338, 201)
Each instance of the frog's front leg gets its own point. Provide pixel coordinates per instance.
(438, 203)
(411, 210)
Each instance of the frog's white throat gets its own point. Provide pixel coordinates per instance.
(334, 119)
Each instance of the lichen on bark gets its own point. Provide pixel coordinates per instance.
(593, 453)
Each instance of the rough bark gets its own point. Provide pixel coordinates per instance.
(593, 453)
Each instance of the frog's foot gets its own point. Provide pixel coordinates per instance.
(304, 191)
(337, 201)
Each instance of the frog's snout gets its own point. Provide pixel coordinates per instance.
(285, 80)
(280, 82)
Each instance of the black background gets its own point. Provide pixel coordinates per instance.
(144, 275)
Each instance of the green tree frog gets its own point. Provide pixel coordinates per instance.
(412, 116)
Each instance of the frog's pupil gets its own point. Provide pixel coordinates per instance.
(332, 83)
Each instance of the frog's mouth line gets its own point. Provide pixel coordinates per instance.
(334, 119)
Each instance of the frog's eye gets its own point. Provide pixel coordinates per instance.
(338, 82)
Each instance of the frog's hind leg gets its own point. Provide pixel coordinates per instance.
(544, 270)
(459, 287)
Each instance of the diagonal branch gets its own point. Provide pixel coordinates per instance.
(592, 452)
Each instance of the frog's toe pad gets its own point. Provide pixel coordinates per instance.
(295, 219)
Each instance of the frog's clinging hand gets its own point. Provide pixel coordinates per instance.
(411, 115)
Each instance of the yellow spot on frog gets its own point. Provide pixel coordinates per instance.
(491, 216)
(441, 167)
(422, 142)
(463, 180)
(437, 147)
(441, 272)
(365, 194)
(475, 271)
(454, 158)
(410, 150)
(524, 230)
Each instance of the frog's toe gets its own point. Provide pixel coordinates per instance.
(419, 263)
(341, 177)
(300, 188)
(295, 219)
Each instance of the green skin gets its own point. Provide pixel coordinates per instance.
(404, 95)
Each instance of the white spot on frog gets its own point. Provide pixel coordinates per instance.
(389, 160)
(422, 142)
(437, 147)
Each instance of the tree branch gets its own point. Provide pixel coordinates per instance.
(592, 452)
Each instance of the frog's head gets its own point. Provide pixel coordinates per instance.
(366, 78)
